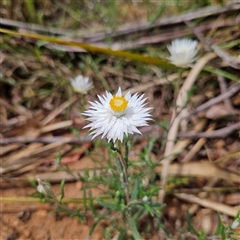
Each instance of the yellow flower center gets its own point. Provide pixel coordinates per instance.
(118, 104)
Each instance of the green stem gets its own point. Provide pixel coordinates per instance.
(177, 85)
(83, 103)
(125, 170)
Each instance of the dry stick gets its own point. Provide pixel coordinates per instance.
(193, 209)
(220, 133)
(235, 88)
(197, 146)
(180, 103)
(223, 87)
(219, 207)
(180, 146)
(58, 110)
(56, 126)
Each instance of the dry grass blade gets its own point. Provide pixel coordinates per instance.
(56, 126)
(58, 110)
(21, 159)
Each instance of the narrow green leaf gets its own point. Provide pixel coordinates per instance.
(91, 205)
(122, 234)
(223, 233)
(94, 173)
(30, 9)
(93, 226)
(218, 230)
(134, 229)
(228, 45)
(84, 199)
(59, 158)
(135, 191)
(86, 173)
(158, 13)
(150, 210)
(222, 73)
(190, 227)
(62, 189)
(108, 205)
(157, 205)
(126, 144)
(140, 212)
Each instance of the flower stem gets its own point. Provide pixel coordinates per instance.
(83, 102)
(125, 170)
(177, 85)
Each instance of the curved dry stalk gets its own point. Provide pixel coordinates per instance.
(176, 118)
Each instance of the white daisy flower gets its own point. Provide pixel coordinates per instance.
(183, 52)
(115, 116)
(80, 84)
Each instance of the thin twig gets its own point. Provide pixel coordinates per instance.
(220, 133)
(197, 146)
(58, 110)
(223, 88)
(235, 88)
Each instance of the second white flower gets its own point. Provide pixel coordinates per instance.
(80, 84)
(183, 52)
